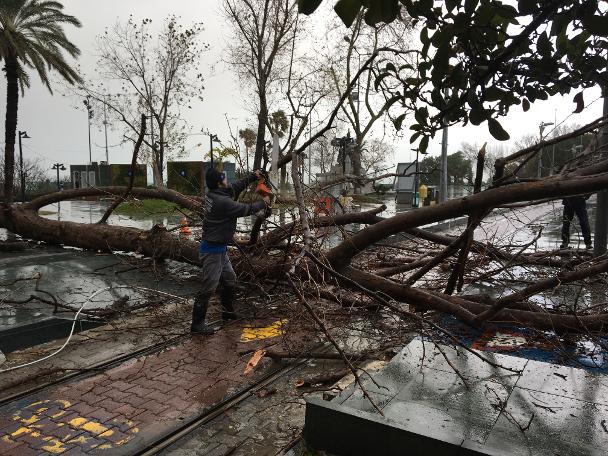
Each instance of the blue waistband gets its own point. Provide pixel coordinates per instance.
(212, 248)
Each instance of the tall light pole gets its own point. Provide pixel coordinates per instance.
(443, 177)
(90, 113)
(416, 177)
(22, 135)
(58, 167)
(212, 138)
(553, 148)
(541, 129)
(105, 128)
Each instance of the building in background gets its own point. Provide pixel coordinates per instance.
(188, 177)
(103, 175)
(404, 185)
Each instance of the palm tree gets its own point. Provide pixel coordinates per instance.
(31, 36)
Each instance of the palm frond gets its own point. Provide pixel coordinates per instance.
(32, 32)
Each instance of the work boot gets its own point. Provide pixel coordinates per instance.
(227, 300)
(199, 312)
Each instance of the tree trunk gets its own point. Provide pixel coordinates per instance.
(12, 107)
(356, 163)
(260, 143)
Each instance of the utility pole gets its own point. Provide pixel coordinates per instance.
(105, 127)
(601, 211)
(553, 150)
(443, 181)
(416, 201)
(541, 129)
(90, 113)
(22, 134)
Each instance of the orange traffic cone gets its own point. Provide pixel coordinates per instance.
(185, 229)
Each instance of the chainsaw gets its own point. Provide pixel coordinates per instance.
(264, 190)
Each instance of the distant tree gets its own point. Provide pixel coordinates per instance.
(367, 105)
(220, 155)
(278, 123)
(153, 73)
(323, 154)
(248, 136)
(259, 50)
(429, 170)
(35, 175)
(31, 37)
(460, 168)
(375, 155)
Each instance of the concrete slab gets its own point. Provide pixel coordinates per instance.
(565, 381)
(485, 411)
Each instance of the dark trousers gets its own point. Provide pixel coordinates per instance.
(216, 269)
(581, 212)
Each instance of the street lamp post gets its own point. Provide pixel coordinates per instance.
(416, 178)
(22, 135)
(105, 128)
(90, 113)
(343, 143)
(541, 128)
(212, 138)
(58, 167)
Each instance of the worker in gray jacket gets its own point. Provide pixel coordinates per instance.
(220, 211)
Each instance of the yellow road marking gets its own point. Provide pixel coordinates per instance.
(30, 426)
(275, 329)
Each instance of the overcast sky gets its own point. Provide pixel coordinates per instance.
(58, 124)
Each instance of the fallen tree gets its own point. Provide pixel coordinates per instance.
(282, 249)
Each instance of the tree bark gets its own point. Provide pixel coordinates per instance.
(260, 142)
(553, 187)
(10, 129)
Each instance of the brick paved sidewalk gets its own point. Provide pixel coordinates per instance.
(121, 410)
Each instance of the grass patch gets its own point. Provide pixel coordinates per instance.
(367, 199)
(145, 207)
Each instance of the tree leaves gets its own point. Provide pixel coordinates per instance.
(544, 46)
(598, 25)
(492, 61)
(497, 131)
(477, 116)
(347, 10)
(308, 6)
(381, 11)
(424, 145)
(398, 122)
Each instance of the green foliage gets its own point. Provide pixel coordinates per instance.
(120, 175)
(481, 58)
(460, 169)
(279, 124)
(185, 177)
(142, 208)
(248, 136)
